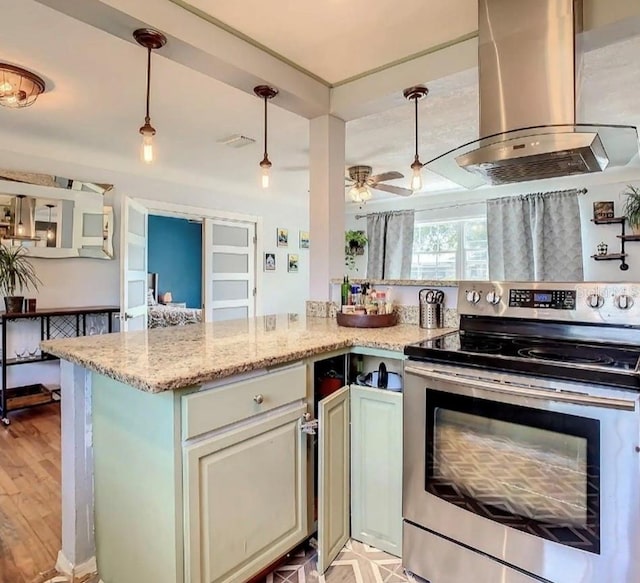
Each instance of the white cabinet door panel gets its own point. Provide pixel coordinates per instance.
(333, 476)
(376, 468)
(245, 498)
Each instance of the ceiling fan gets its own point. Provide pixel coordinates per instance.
(360, 181)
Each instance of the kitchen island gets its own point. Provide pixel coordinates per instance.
(199, 463)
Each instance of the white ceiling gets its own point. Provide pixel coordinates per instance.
(95, 105)
(338, 39)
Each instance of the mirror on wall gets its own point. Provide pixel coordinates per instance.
(55, 217)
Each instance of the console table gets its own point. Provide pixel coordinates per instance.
(54, 323)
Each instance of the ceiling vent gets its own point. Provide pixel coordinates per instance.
(237, 141)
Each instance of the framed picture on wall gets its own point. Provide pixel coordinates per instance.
(603, 209)
(269, 261)
(283, 237)
(304, 239)
(292, 263)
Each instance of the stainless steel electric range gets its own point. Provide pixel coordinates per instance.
(522, 438)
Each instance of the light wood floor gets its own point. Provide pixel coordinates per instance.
(29, 493)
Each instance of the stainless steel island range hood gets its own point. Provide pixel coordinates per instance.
(529, 59)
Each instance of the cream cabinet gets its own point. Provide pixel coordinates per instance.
(359, 471)
(200, 485)
(245, 498)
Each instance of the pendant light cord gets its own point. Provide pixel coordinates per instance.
(265, 128)
(147, 119)
(415, 99)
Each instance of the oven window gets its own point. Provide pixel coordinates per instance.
(530, 469)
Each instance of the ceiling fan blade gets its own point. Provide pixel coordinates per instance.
(393, 189)
(385, 176)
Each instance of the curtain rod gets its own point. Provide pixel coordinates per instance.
(463, 204)
(385, 213)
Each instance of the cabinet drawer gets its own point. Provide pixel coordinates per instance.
(213, 408)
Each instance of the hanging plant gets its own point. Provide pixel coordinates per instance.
(355, 242)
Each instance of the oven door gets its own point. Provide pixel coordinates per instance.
(539, 474)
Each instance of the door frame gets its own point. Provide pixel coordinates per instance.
(183, 211)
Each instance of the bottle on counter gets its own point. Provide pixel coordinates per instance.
(344, 291)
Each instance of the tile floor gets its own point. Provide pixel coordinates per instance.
(356, 563)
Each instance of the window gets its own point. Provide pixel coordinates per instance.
(450, 250)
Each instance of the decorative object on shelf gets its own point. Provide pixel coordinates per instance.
(631, 208)
(355, 242)
(283, 237)
(304, 239)
(265, 92)
(292, 263)
(603, 209)
(16, 273)
(31, 304)
(269, 261)
(602, 248)
(19, 87)
(150, 39)
(416, 93)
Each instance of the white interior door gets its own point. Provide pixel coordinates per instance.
(133, 264)
(334, 463)
(229, 269)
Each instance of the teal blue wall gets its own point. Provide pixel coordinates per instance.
(175, 253)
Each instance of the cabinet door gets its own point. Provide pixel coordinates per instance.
(333, 476)
(245, 497)
(376, 468)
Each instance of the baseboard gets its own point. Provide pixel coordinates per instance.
(64, 566)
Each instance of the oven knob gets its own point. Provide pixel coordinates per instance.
(493, 297)
(473, 297)
(595, 300)
(624, 301)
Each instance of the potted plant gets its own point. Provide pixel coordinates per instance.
(16, 274)
(632, 208)
(354, 245)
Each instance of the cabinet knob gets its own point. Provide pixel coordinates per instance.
(258, 399)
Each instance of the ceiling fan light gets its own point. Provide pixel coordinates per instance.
(416, 178)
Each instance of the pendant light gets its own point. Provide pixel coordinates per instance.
(150, 39)
(49, 229)
(416, 93)
(20, 227)
(266, 93)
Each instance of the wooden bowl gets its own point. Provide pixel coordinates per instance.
(367, 320)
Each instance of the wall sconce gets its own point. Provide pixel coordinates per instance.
(266, 93)
(150, 39)
(416, 93)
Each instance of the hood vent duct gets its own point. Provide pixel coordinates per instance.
(529, 59)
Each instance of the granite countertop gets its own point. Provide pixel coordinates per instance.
(183, 356)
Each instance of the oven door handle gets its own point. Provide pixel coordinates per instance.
(522, 390)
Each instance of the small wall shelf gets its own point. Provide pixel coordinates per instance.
(622, 256)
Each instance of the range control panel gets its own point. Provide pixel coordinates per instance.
(554, 299)
(611, 303)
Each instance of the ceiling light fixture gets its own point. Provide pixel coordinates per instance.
(18, 87)
(20, 229)
(416, 93)
(49, 229)
(266, 93)
(360, 193)
(150, 39)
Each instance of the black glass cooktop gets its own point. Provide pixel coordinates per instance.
(600, 363)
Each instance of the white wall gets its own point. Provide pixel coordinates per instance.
(86, 282)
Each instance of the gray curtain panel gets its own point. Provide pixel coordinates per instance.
(535, 237)
(390, 238)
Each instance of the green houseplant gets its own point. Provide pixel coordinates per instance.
(354, 245)
(632, 208)
(16, 274)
